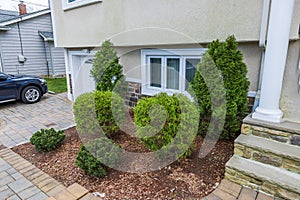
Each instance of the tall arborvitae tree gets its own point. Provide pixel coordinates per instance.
(229, 61)
(106, 69)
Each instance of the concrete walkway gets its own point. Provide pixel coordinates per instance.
(18, 121)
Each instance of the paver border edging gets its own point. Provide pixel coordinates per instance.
(40, 179)
(51, 187)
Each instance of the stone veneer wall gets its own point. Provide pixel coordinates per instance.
(266, 157)
(280, 136)
(133, 94)
(256, 183)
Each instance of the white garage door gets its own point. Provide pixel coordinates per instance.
(81, 80)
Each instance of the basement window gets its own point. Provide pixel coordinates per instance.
(168, 71)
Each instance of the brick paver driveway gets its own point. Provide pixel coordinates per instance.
(18, 121)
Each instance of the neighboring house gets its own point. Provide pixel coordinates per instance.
(155, 39)
(27, 44)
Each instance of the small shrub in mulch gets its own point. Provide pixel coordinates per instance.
(92, 156)
(191, 178)
(47, 139)
(87, 162)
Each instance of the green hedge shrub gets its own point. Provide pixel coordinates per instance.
(99, 105)
(96, 154)
(229, 60)
(47, 139)
(150, 113)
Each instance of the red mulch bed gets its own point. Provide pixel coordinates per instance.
(184, 179)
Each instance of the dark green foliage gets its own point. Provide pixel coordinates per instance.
(107, 152)
(47, 140)
(96, 154)
(159, 120)
(87, 162)
(106, 108)
(111, 75)
(106, 69)
(229, 61)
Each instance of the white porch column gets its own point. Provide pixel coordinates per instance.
(275, 59)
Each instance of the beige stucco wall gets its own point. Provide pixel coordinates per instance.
(130, 58)
(144, 22)
(252, 58)
(290, 97)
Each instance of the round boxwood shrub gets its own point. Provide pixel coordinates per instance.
(107, 108)
(159, 119)
(97, 155)
(47, 139)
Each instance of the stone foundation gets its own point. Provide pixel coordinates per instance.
(133, 94)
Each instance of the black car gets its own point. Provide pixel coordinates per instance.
(29, 89)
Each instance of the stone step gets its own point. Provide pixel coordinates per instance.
(268, 152)
(263, 177)
(285, 132)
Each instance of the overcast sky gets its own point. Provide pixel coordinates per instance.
(32, 5)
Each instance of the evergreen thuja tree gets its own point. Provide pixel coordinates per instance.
(106, 69)
(229, 61)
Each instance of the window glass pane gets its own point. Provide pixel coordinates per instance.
(190, 70)
(155, 72)
(71, 1)
(173, 73)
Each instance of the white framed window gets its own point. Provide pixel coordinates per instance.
(70, 4)
(168, 70)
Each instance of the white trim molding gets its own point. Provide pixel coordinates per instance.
(53, 20)
(66, 5)
(134, 80)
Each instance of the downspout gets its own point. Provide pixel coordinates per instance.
(262, 45)
(47, 62)
(51, 58)
(20, 38)
(21, 44)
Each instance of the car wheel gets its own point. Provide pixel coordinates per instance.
(31, 94)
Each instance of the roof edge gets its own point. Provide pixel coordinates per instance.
(25, 17)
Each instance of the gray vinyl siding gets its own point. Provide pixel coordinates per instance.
(59, 61)
(33, 48)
